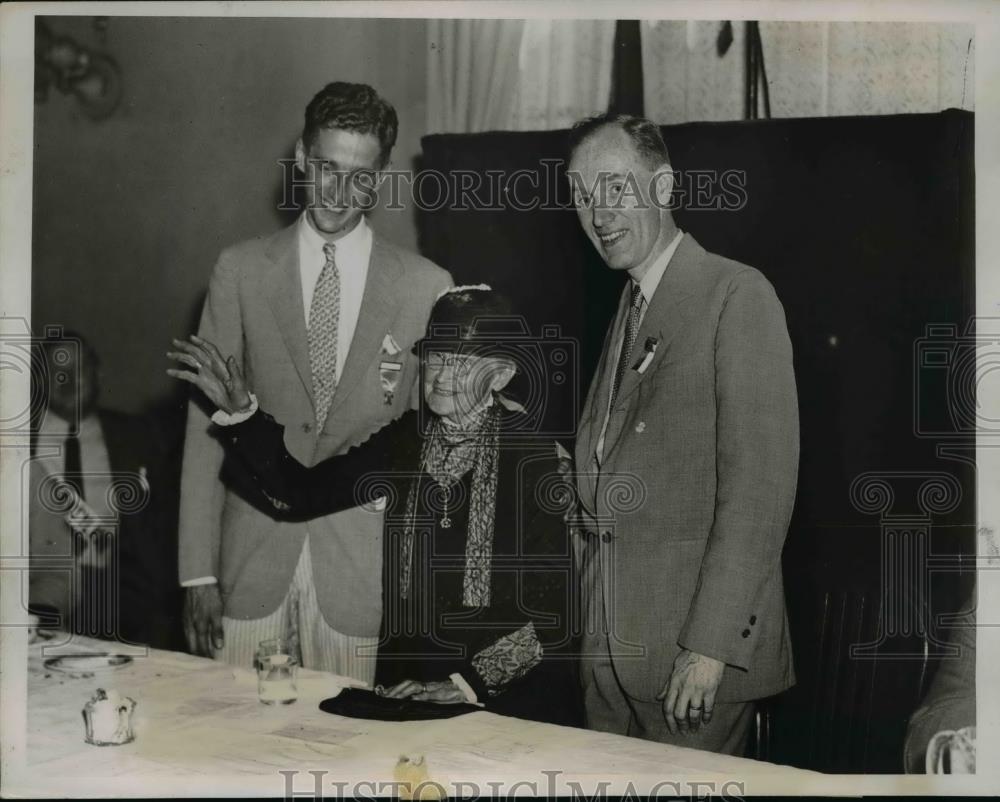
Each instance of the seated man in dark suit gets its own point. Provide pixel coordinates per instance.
(101, 542)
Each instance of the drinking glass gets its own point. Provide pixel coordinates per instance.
(277, 679)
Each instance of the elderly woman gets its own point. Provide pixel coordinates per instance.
(477, 567)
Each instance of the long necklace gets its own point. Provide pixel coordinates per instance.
(484, 463)
(446, 475)
(445, 500)
(447, 480)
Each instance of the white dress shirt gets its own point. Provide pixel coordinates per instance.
(647, 286)
(353, 252)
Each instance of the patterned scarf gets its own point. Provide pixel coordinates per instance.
(446, 461)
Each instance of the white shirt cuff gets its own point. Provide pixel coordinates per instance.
(201, 580)
(465, 687)
(226, 419)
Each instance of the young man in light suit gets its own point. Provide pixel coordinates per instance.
(321, 315)
(694, 407)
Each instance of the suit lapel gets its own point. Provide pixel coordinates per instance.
(284, 293)
(378, 310)
(592, 418)
(663, 320)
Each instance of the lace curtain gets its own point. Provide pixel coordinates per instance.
(814, 69)
(565, 73)
(522, 75)
(472, 74)
(516, 75)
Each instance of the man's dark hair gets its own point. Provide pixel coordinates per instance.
(352, 107)
(645, 135)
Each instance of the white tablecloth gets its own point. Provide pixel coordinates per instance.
(201, 730)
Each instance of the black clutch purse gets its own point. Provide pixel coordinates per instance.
(358, 703)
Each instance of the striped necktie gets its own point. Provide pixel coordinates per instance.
(324, 319)
(631, 332)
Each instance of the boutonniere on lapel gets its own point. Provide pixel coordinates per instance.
(389, 370)
(649, 350)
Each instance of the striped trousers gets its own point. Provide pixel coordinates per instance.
(299, 618)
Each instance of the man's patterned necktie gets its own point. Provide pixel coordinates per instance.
(324, 319)
(631, 332)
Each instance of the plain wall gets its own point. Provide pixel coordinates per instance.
(131, 212)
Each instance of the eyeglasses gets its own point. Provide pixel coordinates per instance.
(441, 359)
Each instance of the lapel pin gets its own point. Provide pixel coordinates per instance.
(389, 373)
(650, 349)
(640, 427)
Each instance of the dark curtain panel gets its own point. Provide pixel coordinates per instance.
(626, 72)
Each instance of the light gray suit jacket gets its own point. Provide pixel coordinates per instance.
(689, 509)
(254, 311)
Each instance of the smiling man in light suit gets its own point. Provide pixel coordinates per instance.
(321, 317)
(694, 406)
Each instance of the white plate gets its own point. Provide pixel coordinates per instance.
(72, 663)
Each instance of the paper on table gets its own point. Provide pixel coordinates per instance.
(209, 706)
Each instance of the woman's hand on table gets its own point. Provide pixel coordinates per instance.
(219, 378)
(446, 692)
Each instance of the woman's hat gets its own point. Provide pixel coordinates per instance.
(467, 318)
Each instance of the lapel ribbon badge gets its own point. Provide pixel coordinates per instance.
(389, 371)
(650, 352)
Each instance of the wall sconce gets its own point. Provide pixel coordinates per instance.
(93, 78)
